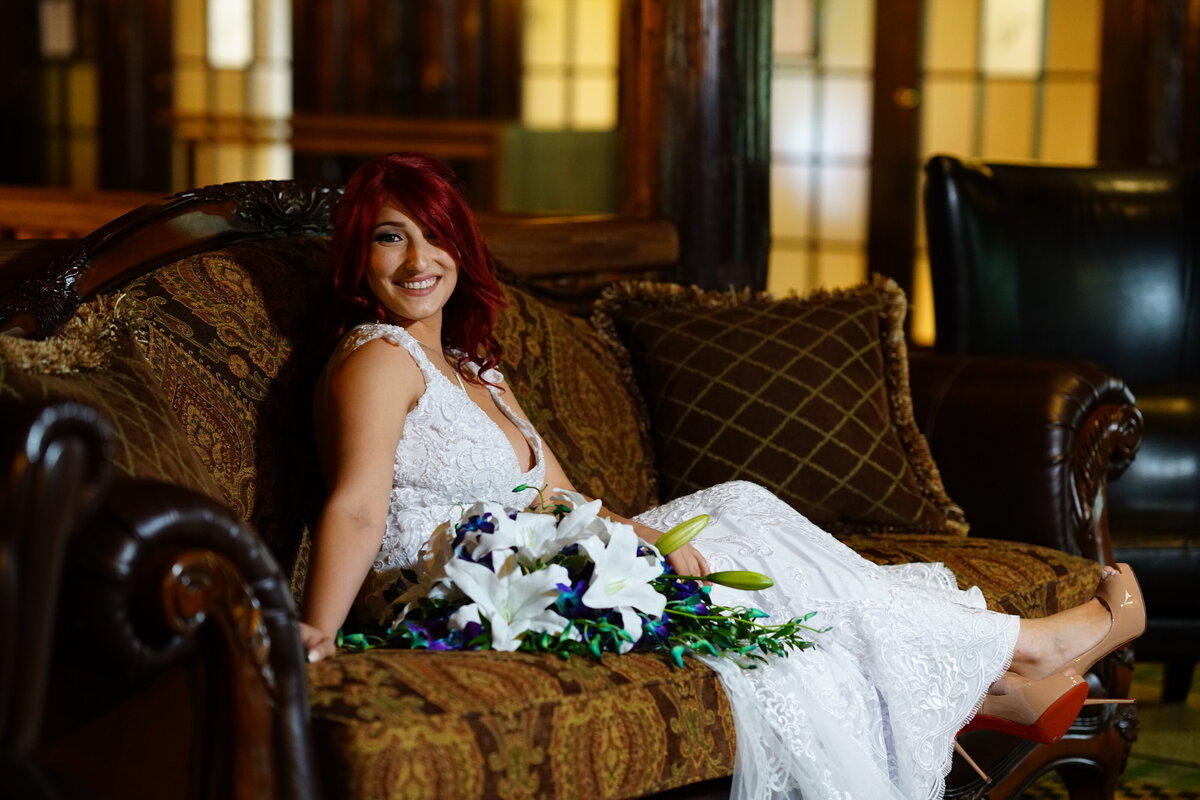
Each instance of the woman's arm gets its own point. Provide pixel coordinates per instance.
(369, 396)
(685, 561)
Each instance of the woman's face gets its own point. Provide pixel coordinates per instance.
(407, 268)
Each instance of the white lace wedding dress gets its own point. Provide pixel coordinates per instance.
(869, 713)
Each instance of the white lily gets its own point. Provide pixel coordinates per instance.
(513, 602)
(583, 521)
(621, 580)
(534, 536)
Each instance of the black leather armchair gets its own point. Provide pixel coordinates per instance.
(1101, 264)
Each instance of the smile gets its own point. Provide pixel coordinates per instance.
(417, 285)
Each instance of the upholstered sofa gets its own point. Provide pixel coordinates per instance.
(160, 481)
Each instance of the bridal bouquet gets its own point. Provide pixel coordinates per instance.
(565, 580)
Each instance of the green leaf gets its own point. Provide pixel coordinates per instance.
(677, 655)
(681, 534)
(740, 579)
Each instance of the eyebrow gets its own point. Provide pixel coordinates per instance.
(397, 223)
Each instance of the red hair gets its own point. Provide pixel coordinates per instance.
(427, 190)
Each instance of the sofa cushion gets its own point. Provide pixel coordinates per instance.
(806, 396)
(411, 724)
(572, 388)
(1015, 578)
(95, 360)
(232, 339)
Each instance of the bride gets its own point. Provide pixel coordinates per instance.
(414, 422)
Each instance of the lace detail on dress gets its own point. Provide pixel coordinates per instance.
(451, 454)
(872, 710)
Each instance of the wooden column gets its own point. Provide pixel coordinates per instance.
(695, 131)
(133, 50)
(1150, 82)
(891, 238)
(20, 86)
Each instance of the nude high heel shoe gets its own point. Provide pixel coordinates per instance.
(1122, 596)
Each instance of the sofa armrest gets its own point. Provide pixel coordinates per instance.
(164, 575)
(1026, 446)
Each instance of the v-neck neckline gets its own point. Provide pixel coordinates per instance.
(531, 439)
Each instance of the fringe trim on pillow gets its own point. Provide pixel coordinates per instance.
(893, 309)
(84, 343)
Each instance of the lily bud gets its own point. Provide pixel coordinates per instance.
(740, 579)
(681, 534)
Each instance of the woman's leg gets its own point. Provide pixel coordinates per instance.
(1048, 644)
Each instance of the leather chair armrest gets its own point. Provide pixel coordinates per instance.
(1026, 446)
(164, 574)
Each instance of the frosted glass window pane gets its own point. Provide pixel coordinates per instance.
(189, 90)
(951, 34)
(836, 270)
(230, 34)
(189, 28)
(1069, 122)
(1008, 120)
(843, 203)
(947, 117)
(595, 104)
(792, 115)
(274, 29)
(1012, 37)
(272, 161)
(230, 90)
(793, 28)
(545, 33)
(270, 90)
(82, 107)
(85, 164)
(542, 102)
(1073, 41)
(228, 162)
(787, 271)
(921, 307)
(790, 189)
(56, 21)
(845, 116)
(847, 33)
(596, 32)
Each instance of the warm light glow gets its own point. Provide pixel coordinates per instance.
(230, 34)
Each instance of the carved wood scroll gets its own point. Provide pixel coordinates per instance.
(1103, 449)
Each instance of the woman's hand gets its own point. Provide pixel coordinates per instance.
(688, 561)
(317, 646)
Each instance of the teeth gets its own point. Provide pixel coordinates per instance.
(425, 284)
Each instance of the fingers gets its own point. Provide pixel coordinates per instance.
(317, 646)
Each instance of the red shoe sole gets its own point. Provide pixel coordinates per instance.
(1050, 726)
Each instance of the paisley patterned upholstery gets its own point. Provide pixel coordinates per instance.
(231, 337)
(571, 387)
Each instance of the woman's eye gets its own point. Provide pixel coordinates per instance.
(388, 237)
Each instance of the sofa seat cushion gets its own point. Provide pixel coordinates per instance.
(1016, 578)
(395, 723)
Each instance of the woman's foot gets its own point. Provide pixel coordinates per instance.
(1048, 645)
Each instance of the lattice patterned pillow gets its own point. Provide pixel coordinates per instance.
(95, 360)
(806, 396)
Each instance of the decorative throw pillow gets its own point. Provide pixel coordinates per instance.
(95, 360)
(571, 386)
(806, 396)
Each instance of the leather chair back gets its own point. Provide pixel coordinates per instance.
(1068, 262)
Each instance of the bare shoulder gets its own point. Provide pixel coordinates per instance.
(379, 364)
